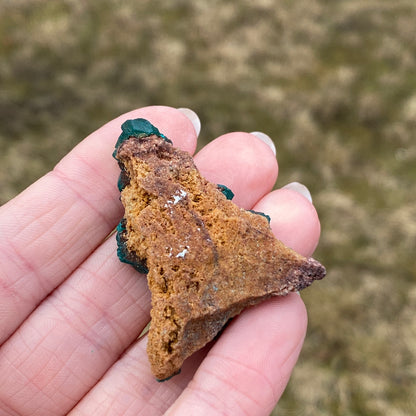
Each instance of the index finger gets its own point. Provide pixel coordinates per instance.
(49, 229)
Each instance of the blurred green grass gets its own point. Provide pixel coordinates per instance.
(332, 82)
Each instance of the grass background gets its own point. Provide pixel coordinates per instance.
(332, 82)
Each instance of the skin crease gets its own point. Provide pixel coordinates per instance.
(70, 312)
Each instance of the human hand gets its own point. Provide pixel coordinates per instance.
(71, 313)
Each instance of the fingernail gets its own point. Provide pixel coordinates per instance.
(300, 188)
(193, 117)
(266, 139)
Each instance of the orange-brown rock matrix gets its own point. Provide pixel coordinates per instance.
(206, 258)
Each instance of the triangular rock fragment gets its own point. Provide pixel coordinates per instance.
(206, 258)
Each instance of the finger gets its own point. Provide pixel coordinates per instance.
(129, 388)
(279, 328)
(247, 370)
(243, 163)
(286, 208)
(72, 338)
(49, 229)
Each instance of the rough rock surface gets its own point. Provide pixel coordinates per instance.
(206, 259)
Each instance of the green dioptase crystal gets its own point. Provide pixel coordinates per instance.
(166, 379)
(123, 180)
(123, 253)
(138, 127)
(229, 194)
(262, 214)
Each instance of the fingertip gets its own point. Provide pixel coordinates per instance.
(265, 139)
(196, 122)
(301, 189)
(242, 162)
(294, 219)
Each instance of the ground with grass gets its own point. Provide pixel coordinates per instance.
(333, 83)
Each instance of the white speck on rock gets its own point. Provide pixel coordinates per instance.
(182, 253)
(177, 198)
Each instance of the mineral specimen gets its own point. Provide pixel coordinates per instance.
(206, 259)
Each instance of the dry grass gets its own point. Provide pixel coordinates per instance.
(332, 82)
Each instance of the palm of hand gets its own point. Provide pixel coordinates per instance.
(71, 313)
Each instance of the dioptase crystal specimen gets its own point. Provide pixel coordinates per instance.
(206, 259)
(228, 193)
